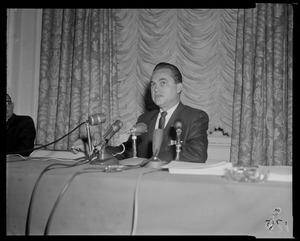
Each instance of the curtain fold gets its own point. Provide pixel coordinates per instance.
(78, 74)
(262, 109)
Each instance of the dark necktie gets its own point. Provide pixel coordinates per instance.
(162, 120)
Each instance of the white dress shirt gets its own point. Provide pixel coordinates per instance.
(168, 116)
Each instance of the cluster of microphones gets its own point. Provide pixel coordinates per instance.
(136, 130)
(100, 118)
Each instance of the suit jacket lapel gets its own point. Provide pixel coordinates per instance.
(174, 116)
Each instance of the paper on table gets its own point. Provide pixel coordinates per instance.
(62, 155)
(280, 177)
(209, 168)
(132, 161)
(279, 173)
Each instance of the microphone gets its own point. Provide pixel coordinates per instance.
(155, 161)
(178, 127)
(93, 120)
(114, 128)
(156, 141)
(96, 119)
(138, 129)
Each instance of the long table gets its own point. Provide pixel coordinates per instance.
(103, 203)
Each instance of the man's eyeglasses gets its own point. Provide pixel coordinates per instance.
(8, 102)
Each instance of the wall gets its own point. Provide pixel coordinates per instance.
(23, 59)
(218, 147)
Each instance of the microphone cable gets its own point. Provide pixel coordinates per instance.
(49, 167)
(135, 201)
(42, 146)
(91, 170)
(121, 152)
(64, 189)
(40, 159)
(81, 161)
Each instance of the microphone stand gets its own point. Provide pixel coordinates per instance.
(136, 130)
(155, 161)
(134, 145)
(178, 144)
(87, 125)
(102, 157)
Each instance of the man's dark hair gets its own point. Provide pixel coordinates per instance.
(176, 75)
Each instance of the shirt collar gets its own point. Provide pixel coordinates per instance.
(171, 110)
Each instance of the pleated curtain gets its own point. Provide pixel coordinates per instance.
(78, 75)
(262, 130)
(200, 42)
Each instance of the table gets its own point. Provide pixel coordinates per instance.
(101, 203)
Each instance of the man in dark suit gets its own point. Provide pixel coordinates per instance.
(166, 86)
(20, 131)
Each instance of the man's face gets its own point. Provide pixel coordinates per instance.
(9, 107)
(164, 90)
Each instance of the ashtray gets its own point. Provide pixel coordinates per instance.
(246, 174)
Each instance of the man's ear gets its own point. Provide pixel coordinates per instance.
(179, 87)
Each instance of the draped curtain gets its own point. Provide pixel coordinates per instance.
(262, 109)
(200, 42)
(78, 74)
